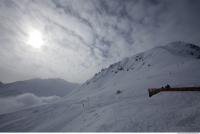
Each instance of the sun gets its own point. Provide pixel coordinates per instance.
(35, 39)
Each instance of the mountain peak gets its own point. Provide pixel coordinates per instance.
(182, 44)
(182, 49)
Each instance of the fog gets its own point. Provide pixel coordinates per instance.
(11, 104)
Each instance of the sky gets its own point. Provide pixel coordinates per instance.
(74, 39)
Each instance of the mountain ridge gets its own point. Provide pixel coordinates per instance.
(187, 49)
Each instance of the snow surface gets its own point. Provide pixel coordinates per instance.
(96, 106)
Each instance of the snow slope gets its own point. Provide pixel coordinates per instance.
(96, 106)
(39, 87)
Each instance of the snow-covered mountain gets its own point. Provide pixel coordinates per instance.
(39, 87)
(99, 106)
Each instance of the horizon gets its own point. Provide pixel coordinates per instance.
(52, 78)
(80, 83)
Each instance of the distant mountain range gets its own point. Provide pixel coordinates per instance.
(39, 87)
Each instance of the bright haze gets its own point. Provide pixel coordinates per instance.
(73, 39)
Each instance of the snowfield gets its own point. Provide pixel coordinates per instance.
(96, 106)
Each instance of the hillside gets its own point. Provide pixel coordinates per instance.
(97, 106)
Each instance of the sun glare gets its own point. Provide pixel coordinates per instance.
(35, 39)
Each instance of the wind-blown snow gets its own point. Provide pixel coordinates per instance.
(11, 104)
(96, 106)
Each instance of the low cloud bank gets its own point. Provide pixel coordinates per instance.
(11, 104)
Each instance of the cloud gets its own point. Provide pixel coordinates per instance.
(11, 104)
(81, 37)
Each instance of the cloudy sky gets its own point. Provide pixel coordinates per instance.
(73, 39)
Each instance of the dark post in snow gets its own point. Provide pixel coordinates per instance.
(153, 91)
